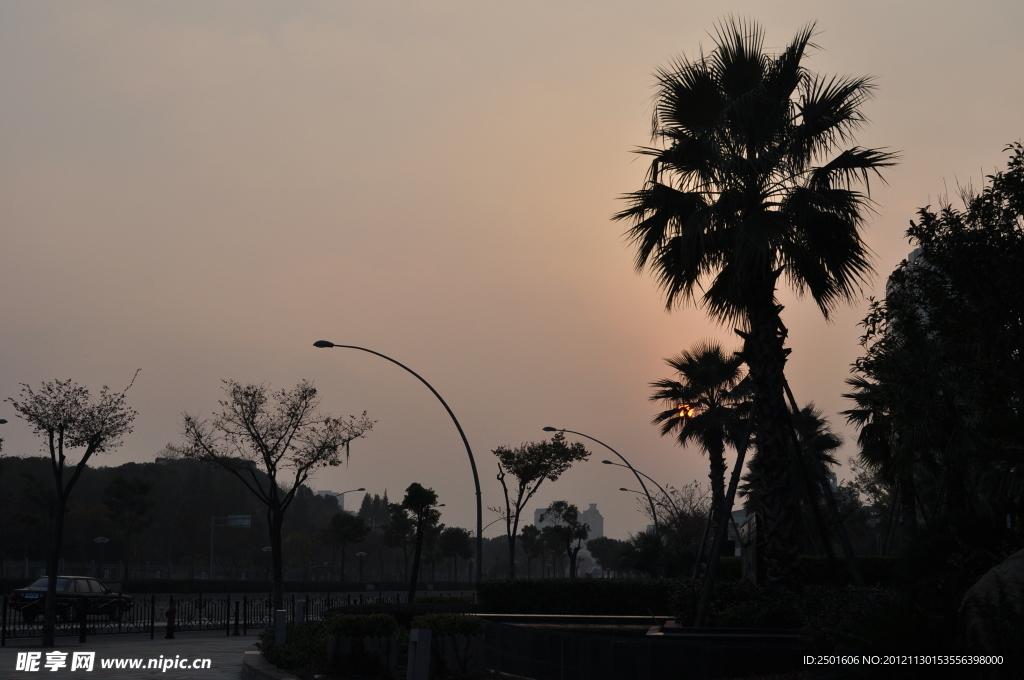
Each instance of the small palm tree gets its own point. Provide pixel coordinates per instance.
(751, 182)
(705, 406)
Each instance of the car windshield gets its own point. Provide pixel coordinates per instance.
(62, 584)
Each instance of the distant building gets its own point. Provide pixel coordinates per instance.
(594, 520)
(738, 518)
(591, 517)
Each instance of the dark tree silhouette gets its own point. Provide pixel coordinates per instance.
(280, 434)
(345, 529)
(127, 501)
(533, 546)
(420, 502)
(571, 532)
(456, 542)
(751, 183)
(529, 465)
(708, 402)
(68, 417)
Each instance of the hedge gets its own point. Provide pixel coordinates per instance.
(305, 647)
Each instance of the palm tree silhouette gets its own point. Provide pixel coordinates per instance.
(750, 183)
(706, 403)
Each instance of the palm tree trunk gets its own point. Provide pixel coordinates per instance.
(720, 532)
(765, 355)
(716, 458)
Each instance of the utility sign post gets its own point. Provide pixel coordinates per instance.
(236, 521)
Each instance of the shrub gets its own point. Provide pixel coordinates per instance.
(450, 624)
(305, 647)
(881, 572)
(614, 597)
(362, 625)
(818, 611)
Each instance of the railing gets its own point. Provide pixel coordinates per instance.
(235, 616)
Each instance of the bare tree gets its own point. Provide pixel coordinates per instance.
(280, 434)
(69, 418)
(529, 465)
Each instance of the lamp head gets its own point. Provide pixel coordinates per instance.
(2, 421)
(323, 343)
(607, 462)
(360, 489)
(551, 429)
(622, 488)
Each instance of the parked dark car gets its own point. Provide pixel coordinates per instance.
(71, 591)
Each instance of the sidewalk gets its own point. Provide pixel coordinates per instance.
(224, 652)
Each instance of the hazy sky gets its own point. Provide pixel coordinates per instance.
(202, 189)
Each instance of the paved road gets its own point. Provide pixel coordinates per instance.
(224, 652)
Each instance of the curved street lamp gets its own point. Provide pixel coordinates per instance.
(472, 462)
(650, 479)
(650, 500)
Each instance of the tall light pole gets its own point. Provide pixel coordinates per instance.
(469, 451)
(654, 514)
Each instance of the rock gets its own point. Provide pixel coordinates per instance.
(992, 610)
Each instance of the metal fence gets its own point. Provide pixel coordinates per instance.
(149, 614)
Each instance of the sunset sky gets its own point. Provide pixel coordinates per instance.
(200, 190)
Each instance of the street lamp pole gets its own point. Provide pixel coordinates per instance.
(469, 451)
(653, 481)
(654, 514)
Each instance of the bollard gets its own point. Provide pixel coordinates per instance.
(152, 616)
(419, 654)
(81, 620)
(300, 611)
(227, 617)
(171, 613)
(236, 619)
(245, 615)
(280, 618)
(3, 624)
